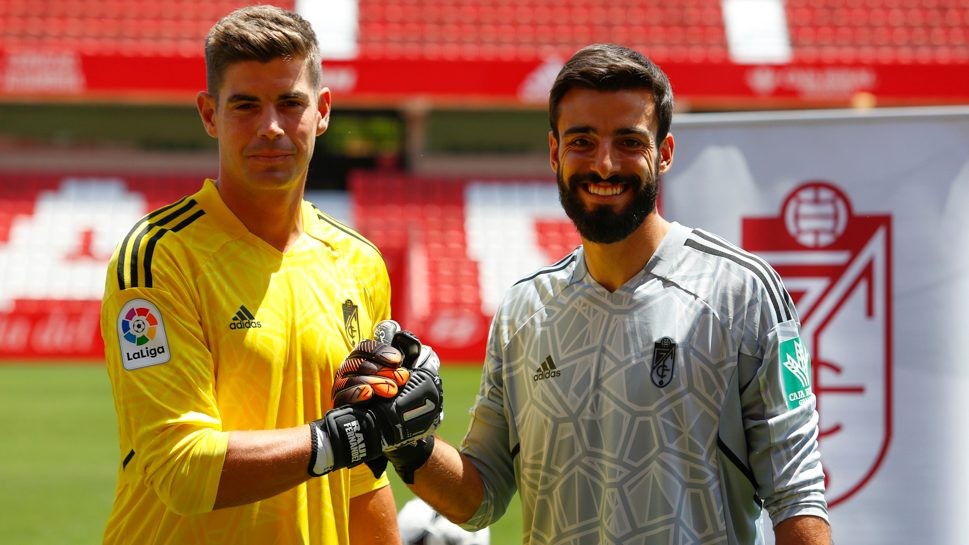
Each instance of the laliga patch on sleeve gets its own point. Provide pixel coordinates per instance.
(141, 335)
(795, 371)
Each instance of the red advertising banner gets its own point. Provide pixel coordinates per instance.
(70, 75)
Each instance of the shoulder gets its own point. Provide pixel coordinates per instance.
(718, 268)
(714, 251)
(557, 272)
(169, 232)
(550, 277)
(342, 237)
(540, 287)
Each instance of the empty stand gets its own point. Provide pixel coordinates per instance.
(884, 31)
(920, 31)
(57, 233)
(465, 241)
(501, 51)
(424, 219)
(499, 29)
(174, 27)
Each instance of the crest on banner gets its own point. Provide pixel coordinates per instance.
(837, 267)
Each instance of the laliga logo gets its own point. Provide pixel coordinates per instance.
(141, 335)
(837, 267)
(138, 326)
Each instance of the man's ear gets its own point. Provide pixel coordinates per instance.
(206, 107)
(553, 151)
(666, 153)
(323, 107)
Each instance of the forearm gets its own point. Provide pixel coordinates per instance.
(803, 530)
(373, 518)
(261, 464)
(445, 472)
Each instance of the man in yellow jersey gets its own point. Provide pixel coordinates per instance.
(224, 318)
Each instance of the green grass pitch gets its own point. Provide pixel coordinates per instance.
(59, 454)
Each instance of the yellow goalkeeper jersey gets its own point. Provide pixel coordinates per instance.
(208, 329)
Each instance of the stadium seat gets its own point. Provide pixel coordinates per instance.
(829, 31)
(496, 29)
(112, 26)
(887, 31)
(428, 212)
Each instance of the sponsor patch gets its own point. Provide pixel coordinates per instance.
(796, 371)
(141, 335)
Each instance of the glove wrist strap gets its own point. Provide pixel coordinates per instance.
(349, 438)
(409, 458)
(321, 457)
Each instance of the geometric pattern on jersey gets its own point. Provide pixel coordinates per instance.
(254, 338)
(602, 453)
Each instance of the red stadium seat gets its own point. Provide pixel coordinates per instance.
(530, 30)
(887, 31)
(112, 26)
(690, 31)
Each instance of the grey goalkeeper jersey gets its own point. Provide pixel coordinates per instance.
(668, 412)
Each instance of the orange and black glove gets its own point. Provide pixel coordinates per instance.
(396, 378)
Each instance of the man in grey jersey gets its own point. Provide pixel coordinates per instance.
(649, 388)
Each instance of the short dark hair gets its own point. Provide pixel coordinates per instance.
(611, 67)
(259, 33)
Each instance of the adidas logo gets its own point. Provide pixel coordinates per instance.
(244, 320)
(546, 370)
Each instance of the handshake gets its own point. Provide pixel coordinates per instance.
(389, 400)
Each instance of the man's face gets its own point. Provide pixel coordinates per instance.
(607, 161)
(266, 117)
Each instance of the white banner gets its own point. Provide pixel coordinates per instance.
(864, 214)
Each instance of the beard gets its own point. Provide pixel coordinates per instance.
(600, 223)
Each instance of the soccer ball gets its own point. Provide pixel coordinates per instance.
(420, 524)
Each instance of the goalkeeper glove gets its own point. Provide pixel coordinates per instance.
(372, 369)
(349, 435)
(370, 362)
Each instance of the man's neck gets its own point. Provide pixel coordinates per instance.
(612, 265)
(272, 215)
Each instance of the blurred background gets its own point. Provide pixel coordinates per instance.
(829, 136)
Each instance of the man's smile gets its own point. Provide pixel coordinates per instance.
(604, 189)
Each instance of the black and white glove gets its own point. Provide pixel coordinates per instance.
(369, 425)
(424, 365)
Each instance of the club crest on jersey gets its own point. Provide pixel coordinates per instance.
(351, 322)
(664, 360)
(141, 335)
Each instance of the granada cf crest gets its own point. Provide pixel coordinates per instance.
(664, 359)
(351, 322)
(837, 267)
